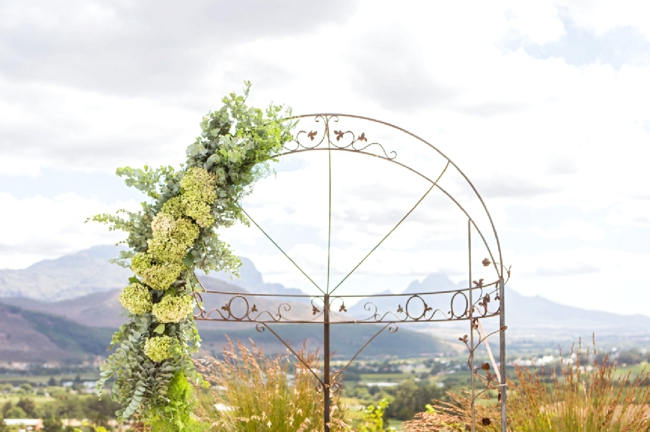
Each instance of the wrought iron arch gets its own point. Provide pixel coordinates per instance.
(479, 300)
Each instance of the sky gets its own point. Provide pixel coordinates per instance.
(543, 105)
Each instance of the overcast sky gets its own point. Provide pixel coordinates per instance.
(544, 105)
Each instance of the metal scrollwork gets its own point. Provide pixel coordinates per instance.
(408, 307)
(326, 137)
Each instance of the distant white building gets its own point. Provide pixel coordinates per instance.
(26, 424)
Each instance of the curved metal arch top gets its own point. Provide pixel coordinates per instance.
(329, 139)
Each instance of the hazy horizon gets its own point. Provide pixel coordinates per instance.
(267, 280)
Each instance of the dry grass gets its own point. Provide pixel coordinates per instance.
(582, 396)
(255, 393)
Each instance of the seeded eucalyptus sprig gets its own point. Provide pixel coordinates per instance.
(174, 233)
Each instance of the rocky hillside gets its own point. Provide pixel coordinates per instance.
(34, 337)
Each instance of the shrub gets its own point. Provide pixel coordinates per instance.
(410, 397)
(15, 412)
(372, 419)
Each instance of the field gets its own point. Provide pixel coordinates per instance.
(407, 385)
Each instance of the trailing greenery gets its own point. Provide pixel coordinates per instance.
(174, 233)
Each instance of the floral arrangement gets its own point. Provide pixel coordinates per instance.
(174, 233)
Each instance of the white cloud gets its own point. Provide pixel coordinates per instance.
(591, 278)
(530, 132)
(538, 22)
(39, 227)
(602, 16)
(46, 125)
(630, 213)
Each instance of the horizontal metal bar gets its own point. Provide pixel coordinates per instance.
(247, 294)
(342, 322)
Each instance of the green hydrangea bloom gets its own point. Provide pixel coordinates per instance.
(188, 205)
(136, 298)
(181, 229)
(159, 348)
(198, 210)
(174, 207)
(166, 250)
(161, 276)
(171, 238)
(140, 263)
(162, 224)
(185, 231)
(200, 185)
(173, 309)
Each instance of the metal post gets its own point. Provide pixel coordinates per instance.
(502, 354)
(471, 324)
(326, 365)
(326, 298)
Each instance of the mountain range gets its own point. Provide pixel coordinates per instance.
(49, 324)
(34, 337)
(86, 272)
(78, 295)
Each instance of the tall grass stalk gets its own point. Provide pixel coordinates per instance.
(581, 395)
(252, 392)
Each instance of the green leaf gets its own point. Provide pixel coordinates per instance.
(160, 329)
(188, 260)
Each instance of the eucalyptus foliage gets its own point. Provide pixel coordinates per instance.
(174, 233)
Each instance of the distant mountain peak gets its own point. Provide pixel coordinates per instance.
(74, 275)
(249, 272)
(104, 252)
(433, 282)
(251, 279)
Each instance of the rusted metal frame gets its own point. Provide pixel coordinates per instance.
(260, 294)
(502, 356)
(471, 326)
(354, 143)
(326, 365)
(326, 297)
(199, 318)
(428, 314)
(500, 268)
(207, 291)
(414, 293)
(327, 117)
